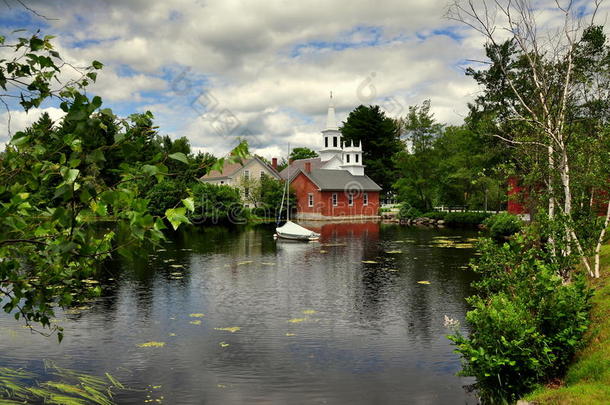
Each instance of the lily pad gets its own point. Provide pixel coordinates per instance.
(151, 344)
(198, 315)
(231, 329)
(223, 344)
(423, 282)
(393, 252)
(369, 262)
(297, 320)
(309, 311)
(197, 322)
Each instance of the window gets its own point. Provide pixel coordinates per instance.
(350, 199)
(347, 158)
(222, 182)
(247, 174)
(357, 156)
(335, 200)
(310, 199)
(263, 175)
(326, 142)
(246, 192)
(365, 199)
(334, 141)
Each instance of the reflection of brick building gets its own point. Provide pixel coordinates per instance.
(360, 229)
(333, 185)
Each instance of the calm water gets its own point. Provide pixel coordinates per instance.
(376, 336)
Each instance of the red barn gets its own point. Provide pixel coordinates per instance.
(334, 185)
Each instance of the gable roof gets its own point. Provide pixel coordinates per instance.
(339, 180)
(230, 169)
(299, 164)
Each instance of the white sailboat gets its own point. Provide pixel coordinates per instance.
(291, 230)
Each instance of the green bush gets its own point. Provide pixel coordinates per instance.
(503, 225)
(437, 215)
(218, 204)
(465, 219)
(408, 212)
(526, 324)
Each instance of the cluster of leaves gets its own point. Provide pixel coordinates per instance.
(526, 323)
(215, 204)
(503, 225)
(69, 194)
(407, 211)
(379, 136)
(456, 165)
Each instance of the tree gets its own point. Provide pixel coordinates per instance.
(70, 194)
(302, 153)
(417, 163)
(379, 136)
(548, 93)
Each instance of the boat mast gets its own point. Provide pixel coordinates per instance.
(288, 188)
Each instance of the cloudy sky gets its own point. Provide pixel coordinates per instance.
(215, 70)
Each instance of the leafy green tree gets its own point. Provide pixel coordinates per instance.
(302, 153)
(417, 163)
(379, 136)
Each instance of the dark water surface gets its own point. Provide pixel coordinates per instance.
(317, 325)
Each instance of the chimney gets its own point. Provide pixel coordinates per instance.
(274, 163)
(308, 167)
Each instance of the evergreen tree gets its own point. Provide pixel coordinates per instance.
(379, 136)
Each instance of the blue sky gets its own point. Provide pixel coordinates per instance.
(215, 70)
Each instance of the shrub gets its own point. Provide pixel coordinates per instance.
(503, 225)
(217, 204)
(435, 215)
(465, 219)
(408, 212)
(525, 323)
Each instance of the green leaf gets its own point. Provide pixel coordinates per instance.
(69, 175)
(150, 170)
(97, 65)
(189, 204)
(180, 157)
(176, 216)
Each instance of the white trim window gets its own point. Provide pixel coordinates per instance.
(335, 199)
(365, 199)
(310, 199)
(263, 174)
(247, 174)
(350, 199)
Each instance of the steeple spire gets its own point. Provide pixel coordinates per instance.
(331, 121)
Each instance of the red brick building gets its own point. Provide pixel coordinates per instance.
(334, 185)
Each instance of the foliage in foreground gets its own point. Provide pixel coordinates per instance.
(61, 386)
(587, 380)
(503, 225)
(526, 323)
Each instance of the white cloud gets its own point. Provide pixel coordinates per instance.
(17, 120)
(270, 64)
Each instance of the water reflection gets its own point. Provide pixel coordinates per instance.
(340, 321)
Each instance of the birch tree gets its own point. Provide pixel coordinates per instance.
(554, 83)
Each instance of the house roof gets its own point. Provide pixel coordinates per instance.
(229, 169)
(331, 180)
(299, 164)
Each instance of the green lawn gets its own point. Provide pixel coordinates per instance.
(588, 378)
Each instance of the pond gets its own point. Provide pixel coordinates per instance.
(245, 319)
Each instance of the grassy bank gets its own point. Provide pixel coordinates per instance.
(588, 378)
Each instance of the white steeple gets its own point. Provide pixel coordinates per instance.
(332, 139)
(352, 159)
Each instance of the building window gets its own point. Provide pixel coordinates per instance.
(335, 200)
(350, 199)
(246, 192)
(357, 155)
(326, 142)
(222, 182)
(365, 199)
(347, 158)
(247, 174)
(310, 199)
(262, 175)
(334, 141)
